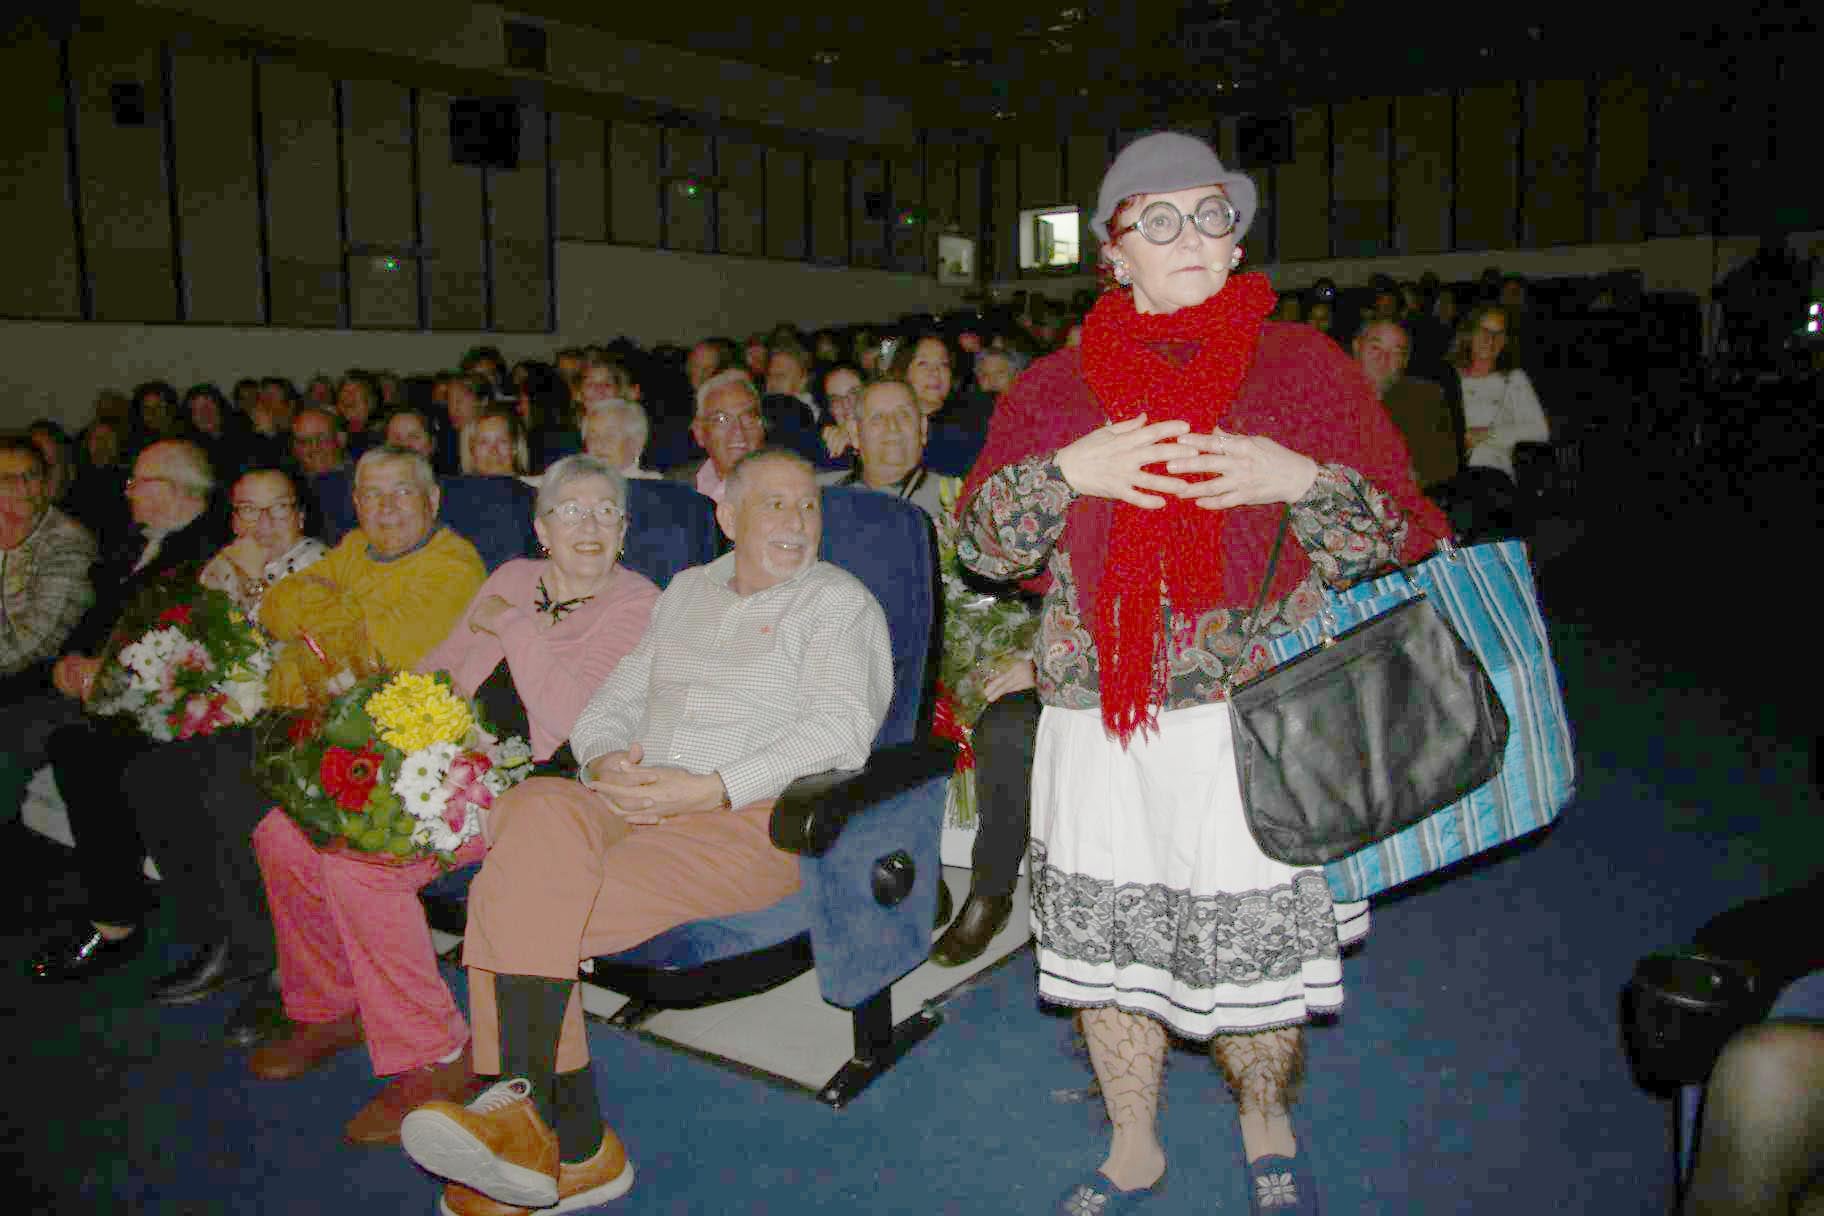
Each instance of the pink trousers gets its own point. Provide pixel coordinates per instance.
(352, 938)
(566, 879)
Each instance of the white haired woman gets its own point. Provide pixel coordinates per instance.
(615, 431)
(1147, 472)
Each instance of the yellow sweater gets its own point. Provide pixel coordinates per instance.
(361, 612)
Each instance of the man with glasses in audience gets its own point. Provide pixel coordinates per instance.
(728, 425)
(169, 497)
(317, 443)
(887, 431)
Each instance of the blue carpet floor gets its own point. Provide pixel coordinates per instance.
(1477, 1066)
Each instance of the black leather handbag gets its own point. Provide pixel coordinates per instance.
(1364, 735)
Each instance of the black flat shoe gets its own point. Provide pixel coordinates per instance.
(260, 1017)
(207, 972)
(982, 917)
(85, 952)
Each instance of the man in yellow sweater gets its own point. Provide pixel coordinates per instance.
(387, 594)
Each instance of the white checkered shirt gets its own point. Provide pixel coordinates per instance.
(761, 689)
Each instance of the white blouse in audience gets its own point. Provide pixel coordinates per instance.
(1505, 404)
(246, 593)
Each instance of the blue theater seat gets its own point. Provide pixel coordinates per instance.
(867, 841)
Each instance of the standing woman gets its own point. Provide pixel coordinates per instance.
(1147, 473)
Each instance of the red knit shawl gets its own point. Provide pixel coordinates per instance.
(1301, 391)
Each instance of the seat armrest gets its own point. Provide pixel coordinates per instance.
(811, 813)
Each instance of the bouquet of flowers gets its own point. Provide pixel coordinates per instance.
(183, 661)
(397, 765)
(982, 629)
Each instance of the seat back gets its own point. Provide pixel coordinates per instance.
(888, 544)
(492, 513)
(670, 527)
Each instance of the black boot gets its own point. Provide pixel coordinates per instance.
(982, 917)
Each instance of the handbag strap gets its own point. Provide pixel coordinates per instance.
(1279, 539)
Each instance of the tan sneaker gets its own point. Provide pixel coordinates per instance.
(378, 1122)
(604, 1177)
(497, 1144)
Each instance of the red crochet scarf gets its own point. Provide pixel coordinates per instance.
(1172, 550)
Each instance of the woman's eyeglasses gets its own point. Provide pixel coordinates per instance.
(572, 514)
(252, 513)
(1161, 222)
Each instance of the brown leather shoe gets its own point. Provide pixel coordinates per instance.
(498, 1145)
(378, 1122)
(982, 917)
(310, 1045)
(606, 1176)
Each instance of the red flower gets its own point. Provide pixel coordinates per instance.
(200, 715)
(176, 614)
(945, 726)
(303, 728)
(349, 777)
(466, 788)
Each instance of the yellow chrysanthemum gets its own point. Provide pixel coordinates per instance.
(414, 711)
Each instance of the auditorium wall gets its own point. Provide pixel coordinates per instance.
(54, 369)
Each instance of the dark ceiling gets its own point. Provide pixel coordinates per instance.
(1096, 63)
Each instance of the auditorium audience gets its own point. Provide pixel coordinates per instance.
(411, 429)
(1500, 408)
(888, 433)
(44, 574)
(615, 431)
(494, 445)
(1433, 431)
(841, 390)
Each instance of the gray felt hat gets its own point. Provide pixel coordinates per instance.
(1168, 161)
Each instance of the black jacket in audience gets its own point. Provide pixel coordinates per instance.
(117, 582)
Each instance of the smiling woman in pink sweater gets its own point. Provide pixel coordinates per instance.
(356, 961)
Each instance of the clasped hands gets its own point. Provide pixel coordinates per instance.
(645, 794)
(1111, 462)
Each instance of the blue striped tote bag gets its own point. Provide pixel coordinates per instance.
(1486, 592)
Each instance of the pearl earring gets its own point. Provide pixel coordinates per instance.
(1121, 275)
(1235, 259)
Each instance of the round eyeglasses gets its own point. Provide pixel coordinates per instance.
(1161, 222)
(572, 514)
(251, 513)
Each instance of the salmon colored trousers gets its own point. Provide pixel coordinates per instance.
(352, 938)
(567, 879)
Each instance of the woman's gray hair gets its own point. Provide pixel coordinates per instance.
(629, 415)
(422, 473)
(575, 468)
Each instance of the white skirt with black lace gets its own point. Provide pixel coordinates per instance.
(1149, 893)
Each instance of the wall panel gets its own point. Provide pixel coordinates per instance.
(218, 202)
(1087, 160)
(829, 210)
(522, 235)
(1487, 127)
(739, 205)
(299, 113)
(785, 203)
(907, 241)
(869, 212)
(688, 216)
(452, 222)
(42, 278)
(633, 184)
(1621, 161)
(579, 144)
(1303, 205)
(1556, 142)
(1686, 124)
(1421, 185)
(377, 159)
(1003, 257)
(1041, 179)
(126, 213)
(1363, 179)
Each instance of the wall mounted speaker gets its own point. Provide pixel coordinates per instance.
(484, 132)
(128, 97)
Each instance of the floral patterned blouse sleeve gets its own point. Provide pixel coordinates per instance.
(1349, 528)
(1015, 519)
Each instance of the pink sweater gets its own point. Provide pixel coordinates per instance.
(556, 668)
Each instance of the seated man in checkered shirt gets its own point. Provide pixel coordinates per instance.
(764, 666)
